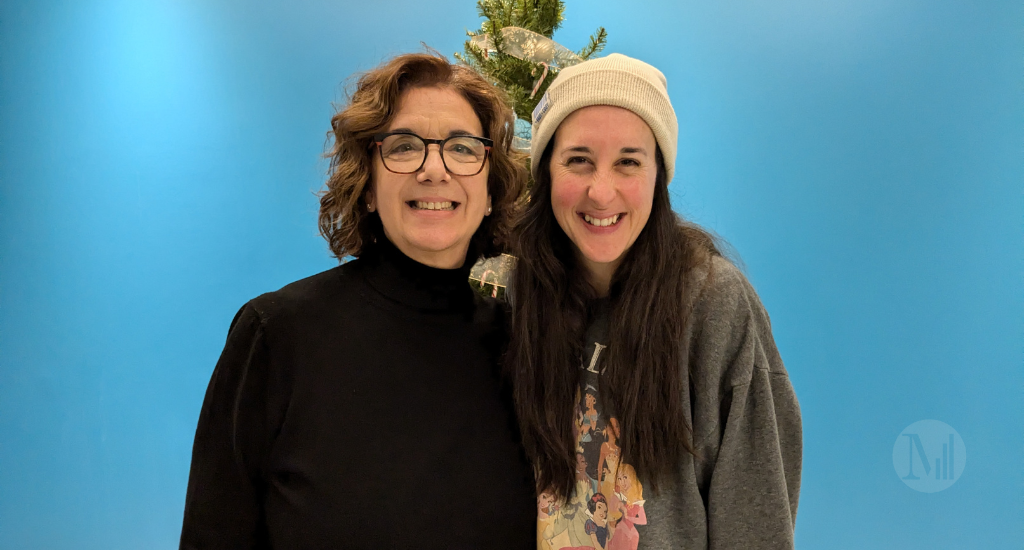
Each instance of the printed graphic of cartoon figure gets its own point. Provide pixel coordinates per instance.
(588, 424)
(569, 529)
(608, 463)
(570, 526)
(577, 425)
(586, 486)
(547, 507)
(629, 501)
(597, 526)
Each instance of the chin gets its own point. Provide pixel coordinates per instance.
(602, 256)
(436, 243)
(439, 236)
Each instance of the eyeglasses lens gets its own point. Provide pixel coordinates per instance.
(462, 155)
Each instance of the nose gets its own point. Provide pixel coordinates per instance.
(433, 170)
(602, 189)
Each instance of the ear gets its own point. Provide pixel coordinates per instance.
(488, 211)
(370, 203)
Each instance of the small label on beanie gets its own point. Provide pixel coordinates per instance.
(541, 109)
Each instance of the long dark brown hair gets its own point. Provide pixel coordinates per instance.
(551, 303)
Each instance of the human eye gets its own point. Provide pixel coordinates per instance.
(465, 147)
(578, 164)
(400, 149)
(402, 146)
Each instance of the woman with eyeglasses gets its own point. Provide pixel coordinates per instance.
(629, 323)
(362, 407)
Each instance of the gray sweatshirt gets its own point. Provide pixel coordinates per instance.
(741, 490)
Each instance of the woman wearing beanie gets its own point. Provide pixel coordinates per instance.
(643, 361)
(362, 407)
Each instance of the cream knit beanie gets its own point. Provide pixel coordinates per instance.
(613, 80)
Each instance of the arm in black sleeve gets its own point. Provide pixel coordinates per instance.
(223, 505)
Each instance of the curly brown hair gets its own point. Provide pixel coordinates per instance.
(344, 219)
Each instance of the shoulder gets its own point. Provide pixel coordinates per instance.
(307, 296)
(721, 292)
(729, 326)
(717, 279)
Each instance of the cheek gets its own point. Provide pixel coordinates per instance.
(481, 189)
(564, 196)
(384, 188)
(475, 193)
(640, 197)
(480, 183)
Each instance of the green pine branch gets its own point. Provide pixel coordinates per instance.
(596, 44)
(518, 76)
(540, 16)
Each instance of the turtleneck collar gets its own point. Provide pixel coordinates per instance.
(402, 279)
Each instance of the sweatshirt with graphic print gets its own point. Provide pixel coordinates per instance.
(740, 489)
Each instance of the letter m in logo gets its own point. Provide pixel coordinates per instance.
(914, 441)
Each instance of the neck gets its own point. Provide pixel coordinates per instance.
(599, 275)
(449, 258)
(407, 281)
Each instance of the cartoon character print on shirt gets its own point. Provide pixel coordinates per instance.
(607, 504)
(588, 416)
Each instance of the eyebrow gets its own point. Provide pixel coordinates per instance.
(624, 150)
(450, 134)
(577, 149)
(639, 150)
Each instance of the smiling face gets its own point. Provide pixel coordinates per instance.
(581, 464)
(544, 501)
(622, 482)
(431, 215)
(603, 172)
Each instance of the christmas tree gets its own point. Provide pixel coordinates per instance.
(514, 50)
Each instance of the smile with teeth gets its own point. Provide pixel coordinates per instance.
(422, 205)
(601, 222)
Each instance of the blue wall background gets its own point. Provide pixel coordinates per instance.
(157, 168)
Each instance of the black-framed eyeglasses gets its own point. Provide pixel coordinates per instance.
(406, 153)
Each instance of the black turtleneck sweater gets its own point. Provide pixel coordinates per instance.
(361, 408)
